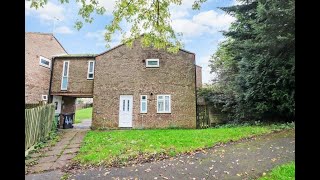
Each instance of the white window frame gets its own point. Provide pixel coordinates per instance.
(66, 75)
(147, 65)
(44, 65)
(89, 69)
(44, 97)
(164, 104)
(141, 101)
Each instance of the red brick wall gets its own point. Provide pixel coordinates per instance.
(68, 105)
(199, 76)
(123, 72)
(77, 82)
(37, 78)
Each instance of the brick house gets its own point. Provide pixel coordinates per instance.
(39, 48)
(131, 87)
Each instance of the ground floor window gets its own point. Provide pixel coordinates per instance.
(143, 104)
(163, 104)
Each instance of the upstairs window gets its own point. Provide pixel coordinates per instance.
(152, 63)
(163, 104)
(143, 104)
(90, 70)
(65, 75)
(45, 62)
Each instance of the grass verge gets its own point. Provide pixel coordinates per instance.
(83, 114)
(118, 147)
(282, 172)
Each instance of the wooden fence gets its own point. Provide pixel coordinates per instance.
(38, 124)
(33, 105)
(203, 120)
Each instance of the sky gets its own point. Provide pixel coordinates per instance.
(201, 29)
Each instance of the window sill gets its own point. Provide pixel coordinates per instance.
(89, 78)
(163, 112)
(44, 66)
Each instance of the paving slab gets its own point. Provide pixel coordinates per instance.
(71, 150)
(51, 153)
(48, 159)
(59, 164)
(73, 146)
(41, 167)
(51, 175)
(53, 158)
(64, 157)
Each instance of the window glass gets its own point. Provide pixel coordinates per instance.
(152, 63)
(160, 106)
(65, 73)
(43, 61)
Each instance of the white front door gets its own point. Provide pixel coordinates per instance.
(57, 101)
(125, 111)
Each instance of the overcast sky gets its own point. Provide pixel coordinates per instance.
(200, 28)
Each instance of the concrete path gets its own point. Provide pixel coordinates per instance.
(58, 156)
(244, 160)
(85, 124)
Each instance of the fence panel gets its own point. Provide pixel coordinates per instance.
(38, 124)
(203, 120)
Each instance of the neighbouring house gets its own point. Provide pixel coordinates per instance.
(131, 87)
(39, 49)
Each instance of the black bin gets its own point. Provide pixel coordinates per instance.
(68, 120)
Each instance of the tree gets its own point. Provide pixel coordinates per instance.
(257, 61)
(152, 17)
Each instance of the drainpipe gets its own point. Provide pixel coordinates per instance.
(195, 86)
(49, 94)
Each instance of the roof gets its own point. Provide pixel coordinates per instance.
(48, 34)
(40, 33)
(76, 55)
(140, 36)
(110, 49)
(198, 66)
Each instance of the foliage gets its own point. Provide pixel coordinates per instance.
(51, 140)
(54, 127)
(149, 16)
(273, 126)
(255, 65)
(83, 114)
(65, 176)
(283, 172)
(118, 146)
(219, 98)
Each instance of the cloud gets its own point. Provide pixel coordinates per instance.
(204, 22)
(213, 19)
(203, 61)
(47, 13)
(98, 36)
(180, 11)
(109, 5)
(188, 27)
(237, 2)
(63, 30)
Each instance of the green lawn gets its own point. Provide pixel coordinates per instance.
(283, 172)
(103, 147)
(83, 114)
